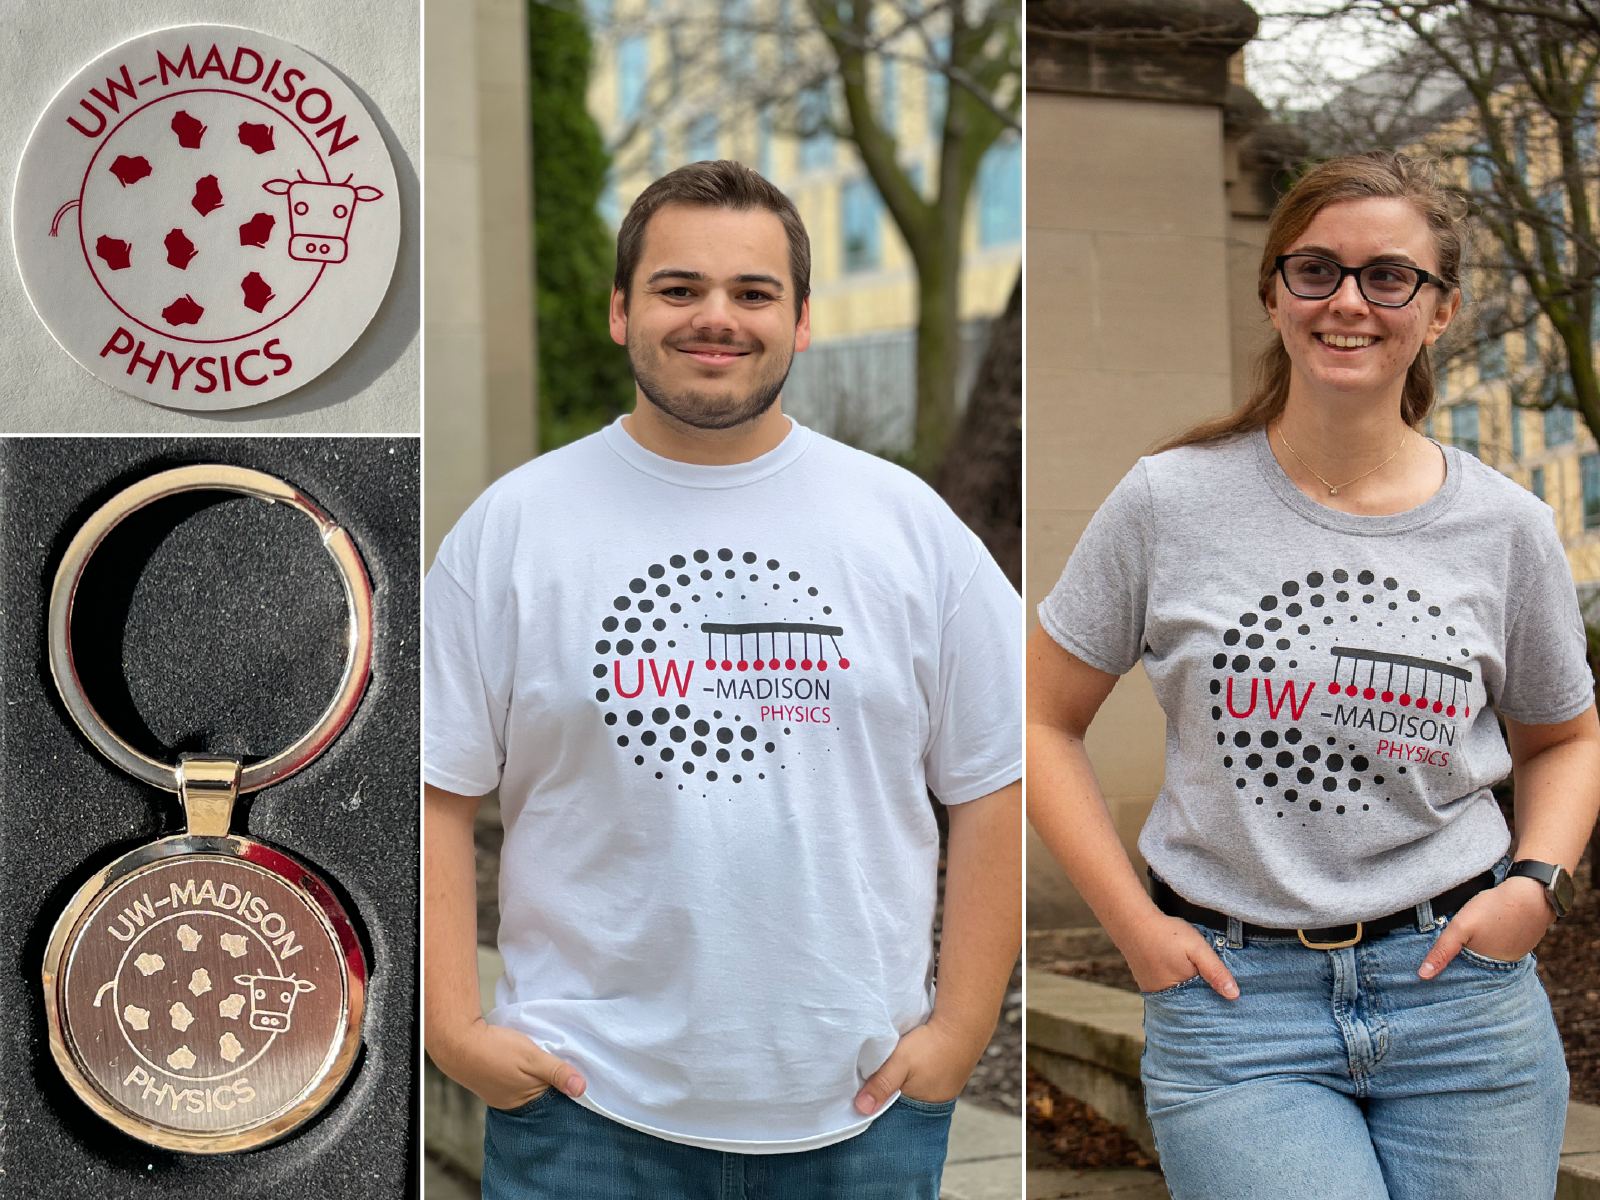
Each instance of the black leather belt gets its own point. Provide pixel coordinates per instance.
(1335, 937)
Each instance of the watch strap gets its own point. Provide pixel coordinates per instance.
(1553, 877)
(1533, 869)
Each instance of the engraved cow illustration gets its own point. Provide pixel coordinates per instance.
(320, 215)
(272, 999)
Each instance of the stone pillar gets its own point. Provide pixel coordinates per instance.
(1130, 306)
(478, 320)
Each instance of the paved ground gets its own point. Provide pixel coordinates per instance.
(1097, 1185)
(984, 1163)
(985, 1158)
(438, 1185)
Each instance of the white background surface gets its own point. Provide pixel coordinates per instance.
(373, 44)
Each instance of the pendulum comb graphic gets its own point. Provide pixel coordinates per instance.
(1399, 678)
(778, 635)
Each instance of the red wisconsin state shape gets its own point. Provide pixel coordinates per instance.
(257, 292)
(257, 137)
(180, 250)
(182, 311)
(207, 194)
(189, 131)
(130, 170)
(114, 251)
(256, 230)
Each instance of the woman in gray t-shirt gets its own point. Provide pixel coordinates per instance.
(1332, 609)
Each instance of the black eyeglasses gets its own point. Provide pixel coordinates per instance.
(1386, 284)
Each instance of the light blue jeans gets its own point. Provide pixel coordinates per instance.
(553, 1148)
(1342, 1075)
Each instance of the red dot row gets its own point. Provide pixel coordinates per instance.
(1448, 710)
(805, 664)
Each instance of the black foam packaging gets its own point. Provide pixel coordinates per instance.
(210, 623)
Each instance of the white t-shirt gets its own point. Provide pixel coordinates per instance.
(713, 699)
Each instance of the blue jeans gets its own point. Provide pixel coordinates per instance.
(555, 1149)
(1342, 1075)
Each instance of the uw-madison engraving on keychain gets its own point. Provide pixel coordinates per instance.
(204, 992)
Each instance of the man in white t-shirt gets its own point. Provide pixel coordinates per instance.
(714, 664)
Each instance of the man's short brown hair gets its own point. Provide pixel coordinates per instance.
(720, 184)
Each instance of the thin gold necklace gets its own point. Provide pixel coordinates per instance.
(1333, 489)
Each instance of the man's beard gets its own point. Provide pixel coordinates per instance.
(699, 409)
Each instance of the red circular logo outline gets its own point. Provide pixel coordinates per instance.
(83, 244)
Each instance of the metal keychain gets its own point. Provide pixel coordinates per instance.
(204, 992)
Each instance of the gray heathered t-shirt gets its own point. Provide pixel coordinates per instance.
(1328, 679)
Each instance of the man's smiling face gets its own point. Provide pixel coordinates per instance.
(709, 322)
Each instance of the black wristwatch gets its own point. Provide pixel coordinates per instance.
(1557, 883)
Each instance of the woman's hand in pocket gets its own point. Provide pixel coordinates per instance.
(1163, 951)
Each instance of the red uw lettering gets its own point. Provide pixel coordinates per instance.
(616, 678)
(1288, 694)
(671, 679)
(1235, 712)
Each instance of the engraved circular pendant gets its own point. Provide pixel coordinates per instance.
(205, 993)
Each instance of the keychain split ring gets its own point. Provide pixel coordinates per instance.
(211, 478)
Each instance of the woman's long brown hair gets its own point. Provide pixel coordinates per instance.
(1378, 174)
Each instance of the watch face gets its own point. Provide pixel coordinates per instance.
(206, 1002)
(1562, 891)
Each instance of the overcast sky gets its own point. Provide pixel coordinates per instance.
(1298, 65)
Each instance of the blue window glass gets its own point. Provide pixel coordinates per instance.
(1464, 427)
(1536, 482)
(598, 12)
(1428, 428)
(1516, 433)
(738, 39)
(1558, 429)
(938, 87)
(1480, 170)
(860, 212)
(889, 95)
(764, 142)
(816, 136)
(1554, 211)
(608, 206)
(1589, 469)
(633, 73)
(658, 153)
(1000, 194)
(1584, 127)
(1492, 358)
(700, 139)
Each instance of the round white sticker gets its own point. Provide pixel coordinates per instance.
(206, 217)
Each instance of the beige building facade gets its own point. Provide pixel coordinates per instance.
(1148, 186)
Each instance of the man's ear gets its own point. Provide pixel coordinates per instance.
(619, 317)
(802, 327)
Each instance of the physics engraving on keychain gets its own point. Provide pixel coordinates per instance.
(206, 217)
(204, 992)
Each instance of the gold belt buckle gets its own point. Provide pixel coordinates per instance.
(1309, 944)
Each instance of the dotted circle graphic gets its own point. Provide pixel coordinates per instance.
(1343, 639)
(679, 642)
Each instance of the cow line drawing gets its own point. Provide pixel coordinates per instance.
(320, 215)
